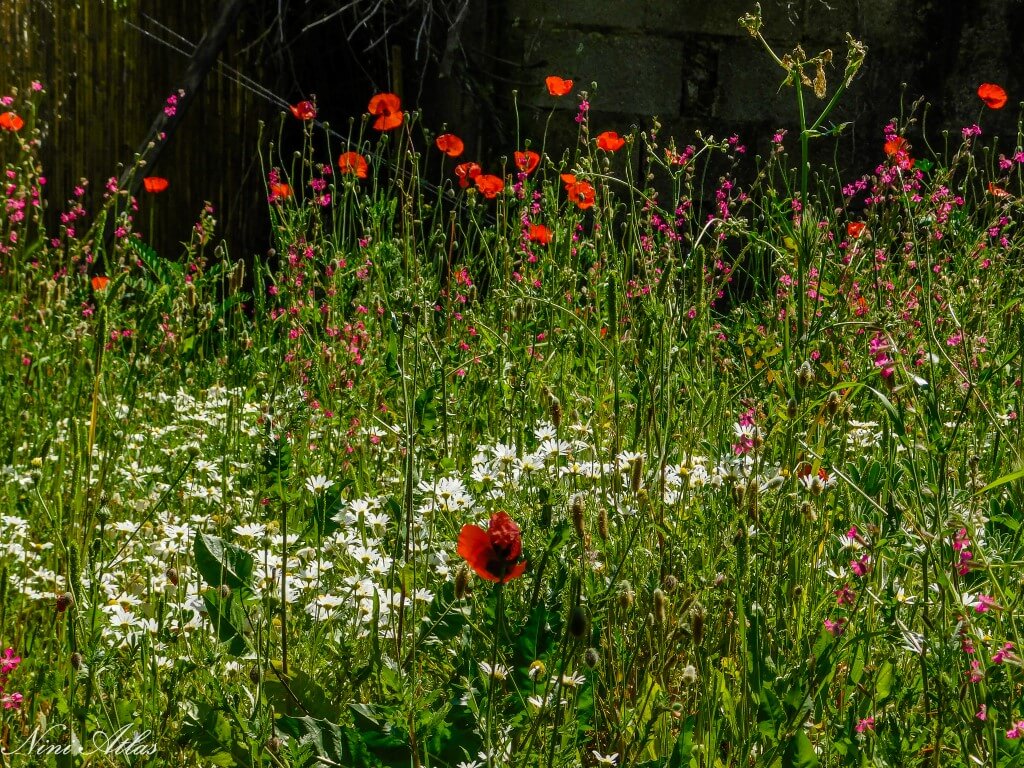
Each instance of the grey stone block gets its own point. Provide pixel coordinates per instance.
(634, 74)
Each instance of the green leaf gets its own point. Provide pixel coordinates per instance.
(683, 749)
(800, 752)
(208, 732)
(342, 746)
(221, 563)
(1001, 481)
(883, 682)
(227, 618)
(426, 410)
(297, 694)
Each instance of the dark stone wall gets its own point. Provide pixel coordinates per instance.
(695, 67)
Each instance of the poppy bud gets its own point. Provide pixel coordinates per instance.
(669, 583)
(172, 576)
(224, 592)
(804, 375)
(579, 622)
(591, 658)
(577, 518)
(76, 661)
(697, 623)
(832, 403)
(807, 510)
(64, 601)
(660, 606)
(625, 595)
(461, 583)
(556, 412)
(791, 409)
(273, 745)
(636, 473)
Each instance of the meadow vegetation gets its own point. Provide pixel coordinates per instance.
(547, 463)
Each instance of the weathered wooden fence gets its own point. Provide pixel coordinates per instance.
(105, 80)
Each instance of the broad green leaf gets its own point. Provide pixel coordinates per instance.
(221, 563)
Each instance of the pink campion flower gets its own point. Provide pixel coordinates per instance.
(984, 603)
(8, 662)
(1016, 731)
(982, 713)
(11, 701)
(862, 566)
(845, 595)
(867, 724)
(1004, 654)
(835, 628)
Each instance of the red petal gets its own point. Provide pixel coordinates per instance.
(475, 547)
(517, 570)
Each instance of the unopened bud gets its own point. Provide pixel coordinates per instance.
(461, 583)
(76, 661)
(579, 622)
(636, 474)
(660, 606)
(273, 745)
(832, 403)
(577, 518)
(65, 601)
(224, 591)
(172, 576)
(669, 583)
(697, 623)
(626, 595)
(591, 658)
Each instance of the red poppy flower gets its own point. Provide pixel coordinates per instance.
(353, 162)
(526, 161)
(993, 95)
(489, 185)
(493, 553)
(100, 282)
(854, 228)
(154, 184)
(280, 191)
(610, 141)
(557, 86)
(11, 122)
(581, 193)
(467, 172)
(568, 178)
(304, 110)
(539, 234)
(388, 109)
(450, 144)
